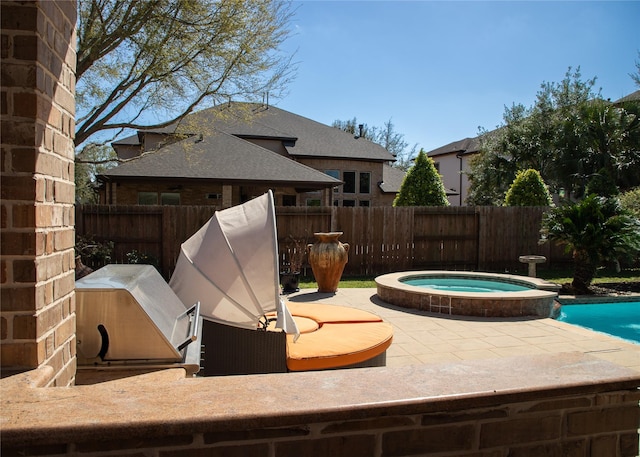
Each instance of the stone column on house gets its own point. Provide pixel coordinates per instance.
(327, 194)
(38, 122)
(227, 196)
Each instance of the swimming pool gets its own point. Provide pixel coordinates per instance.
(619, 319)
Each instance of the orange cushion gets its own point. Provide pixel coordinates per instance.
(338, 345)
(323, 314)
(305, 325)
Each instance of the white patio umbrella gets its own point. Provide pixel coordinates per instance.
(230, 266)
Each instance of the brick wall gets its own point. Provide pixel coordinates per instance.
(38, 109)
(598, 425)
(603, 424)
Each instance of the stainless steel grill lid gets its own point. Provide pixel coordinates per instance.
(129, 313)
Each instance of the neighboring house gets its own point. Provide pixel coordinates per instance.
(226, 155)
(452, 162)
(633, 96)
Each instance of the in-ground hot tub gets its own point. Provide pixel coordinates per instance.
(469, 293)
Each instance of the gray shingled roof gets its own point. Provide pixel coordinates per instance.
(466, 146)
(312, 139)
(224, 157)
(391, 179)
(631, 97)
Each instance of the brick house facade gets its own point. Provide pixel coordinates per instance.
(304, 162)
(38, 193)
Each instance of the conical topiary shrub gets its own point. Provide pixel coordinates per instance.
(422, 186)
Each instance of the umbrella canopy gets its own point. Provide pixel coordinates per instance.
(230, 266)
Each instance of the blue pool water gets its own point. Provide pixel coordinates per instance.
(620, 319)
(465, 284)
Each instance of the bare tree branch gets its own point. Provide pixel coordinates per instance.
(137, 59)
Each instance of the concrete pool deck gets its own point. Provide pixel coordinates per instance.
(421, 337)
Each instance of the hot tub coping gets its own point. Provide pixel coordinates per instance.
(531, 302)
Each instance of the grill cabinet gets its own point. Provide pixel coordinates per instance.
(129, 318)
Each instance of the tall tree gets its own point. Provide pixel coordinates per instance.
(569, 135)
(353, 127)
(636, 76)
(146, 64)
(386, 136)
(422, 186)
(92, 160)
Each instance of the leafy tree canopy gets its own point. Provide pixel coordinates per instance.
(422, 186)
(636, 76)
(146, 64)
(91, 161)
(528, 189)
(569, 135)
(602, 184)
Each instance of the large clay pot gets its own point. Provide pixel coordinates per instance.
(327, 257)
(81, 269)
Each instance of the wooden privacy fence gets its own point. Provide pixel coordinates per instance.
(381, 239)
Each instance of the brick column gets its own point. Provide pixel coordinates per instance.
(38, 193)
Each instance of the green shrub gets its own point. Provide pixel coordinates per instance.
(141, 258)
(630, 201)
(422, 185)
(95, 254)
(528, 189)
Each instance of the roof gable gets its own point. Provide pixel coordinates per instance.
(319, 140)
(303, 137)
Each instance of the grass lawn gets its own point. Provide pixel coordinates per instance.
(558, 276)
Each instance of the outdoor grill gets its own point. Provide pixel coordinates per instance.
(129, 318)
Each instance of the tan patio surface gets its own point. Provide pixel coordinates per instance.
(421, 337)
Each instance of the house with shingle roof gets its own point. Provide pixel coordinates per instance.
(228, 154)
(452, 162)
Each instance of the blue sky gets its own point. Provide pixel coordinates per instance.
(439, 70)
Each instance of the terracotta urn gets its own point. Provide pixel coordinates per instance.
(81, 269)
(327, 257)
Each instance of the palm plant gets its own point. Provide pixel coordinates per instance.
(595, 230)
